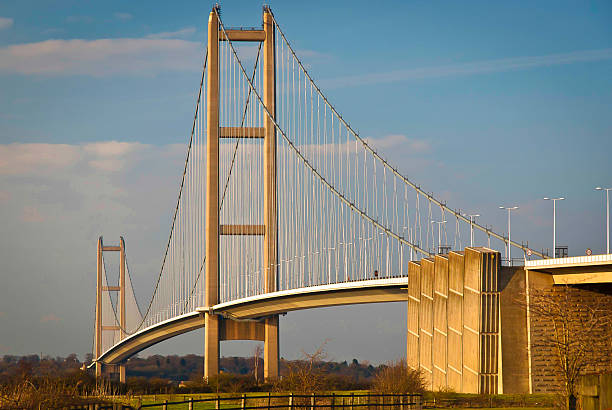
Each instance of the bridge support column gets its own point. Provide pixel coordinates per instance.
(211, 322)
(211, 345)
(271, 354)
(121, 369)
(122, 321)
(98, 348)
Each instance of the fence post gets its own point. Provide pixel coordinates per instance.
(191, 403)
(333, 401)
(291, 401)
(312, 402)
(165, 406)
(217, 402)
(243, 402)
(269, 398)
(368, 401)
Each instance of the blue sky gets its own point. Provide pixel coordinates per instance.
(511, 100)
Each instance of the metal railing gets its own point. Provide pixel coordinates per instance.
(570, 260)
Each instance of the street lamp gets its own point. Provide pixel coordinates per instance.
(607, 216)
(439, 235)
(472, 220)
(508, 250)
(554, 221)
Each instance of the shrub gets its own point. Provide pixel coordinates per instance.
(397, 377)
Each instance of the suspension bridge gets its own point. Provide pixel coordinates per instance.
(282, 206)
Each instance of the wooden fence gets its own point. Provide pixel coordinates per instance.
(369, 401)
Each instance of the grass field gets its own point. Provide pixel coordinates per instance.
(342, 399)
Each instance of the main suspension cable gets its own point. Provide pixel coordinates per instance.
(308, 164)
(178, 201)
(416, 187)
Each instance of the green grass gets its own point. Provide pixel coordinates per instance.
(457, 400)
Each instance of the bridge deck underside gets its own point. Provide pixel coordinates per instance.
(359, 292)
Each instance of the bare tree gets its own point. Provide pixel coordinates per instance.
(577, 334)
(306, 376)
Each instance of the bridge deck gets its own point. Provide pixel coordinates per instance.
(253, 307)
(575, 269)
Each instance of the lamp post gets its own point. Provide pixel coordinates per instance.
(472, 220)
(554, 200)
(439, 235)
(607, 216)
(508, 250)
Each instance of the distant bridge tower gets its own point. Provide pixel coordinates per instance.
(269, 231)
(100, 288)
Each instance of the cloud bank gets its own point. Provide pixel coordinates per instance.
(102, 57)
(45, 159)
(477, 67)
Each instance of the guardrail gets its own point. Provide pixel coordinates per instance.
(568, 260)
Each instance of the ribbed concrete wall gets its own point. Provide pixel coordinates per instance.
(414, 302)
(440, 321)
(453, 320)
(426, 321)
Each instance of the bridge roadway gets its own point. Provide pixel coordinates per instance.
(259, 306)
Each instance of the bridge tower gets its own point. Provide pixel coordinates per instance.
(100, 328)
(213, 229)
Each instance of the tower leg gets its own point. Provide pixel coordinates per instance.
(122, 373)
(211, 345)
(270, 201)
(211, 288)
(271, 353)
(122, 310)
(98, 348)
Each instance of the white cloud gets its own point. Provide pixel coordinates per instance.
(5, 22)
(107, 164)
(477, 67)
(36, 158)
(123, 16)
(111, 156)
(45, 159)
(182, 33)
(390, 143)
(134, 56)
(398, 140)
(111, 148)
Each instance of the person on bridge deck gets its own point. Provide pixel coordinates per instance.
(376, 274)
